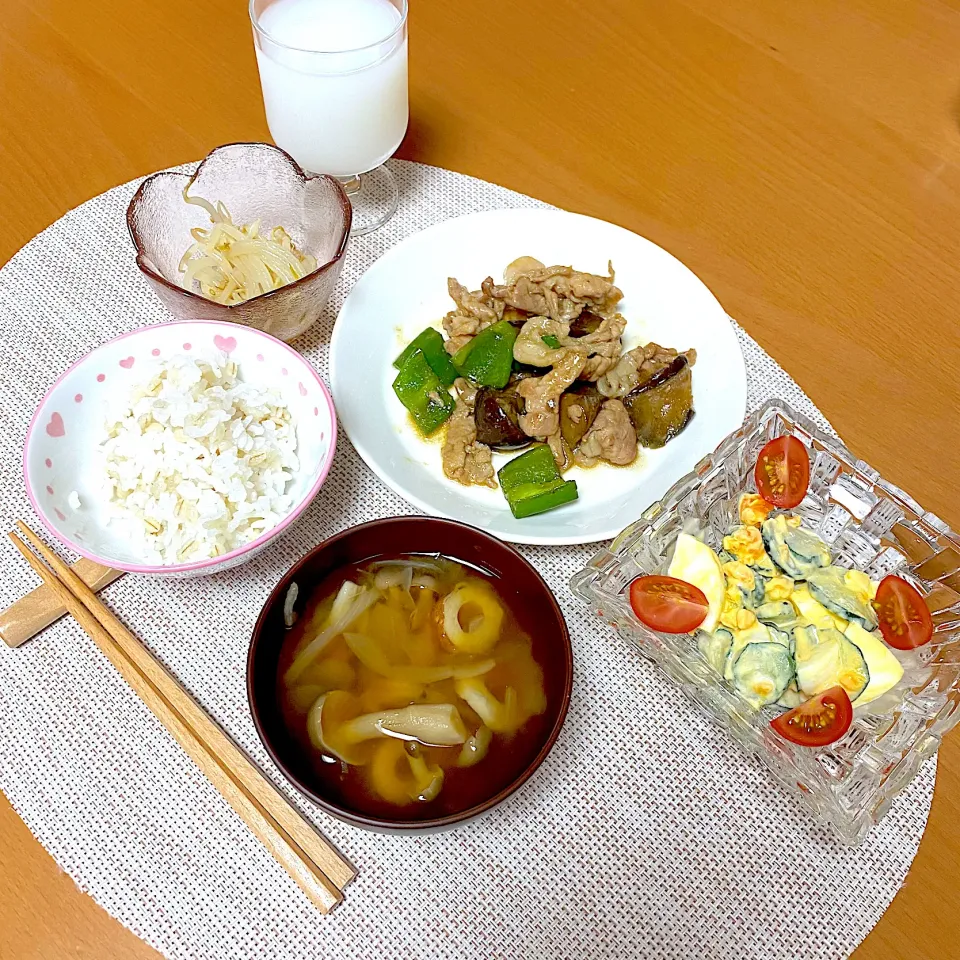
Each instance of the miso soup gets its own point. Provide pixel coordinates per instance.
(411, 684)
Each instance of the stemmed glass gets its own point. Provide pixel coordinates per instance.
(334, 81)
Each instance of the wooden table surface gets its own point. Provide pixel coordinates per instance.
(801, 157)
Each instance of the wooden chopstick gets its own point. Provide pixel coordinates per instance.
(309, 858)
(320, 850)
(300, 849)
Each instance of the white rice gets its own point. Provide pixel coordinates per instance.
(197, 463)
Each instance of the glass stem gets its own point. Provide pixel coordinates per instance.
(353, 185)
(374, 196)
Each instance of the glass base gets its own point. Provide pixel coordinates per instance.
(374, 196)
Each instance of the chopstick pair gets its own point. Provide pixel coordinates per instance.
(318, 868)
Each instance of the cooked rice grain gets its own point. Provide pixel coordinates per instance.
(198, 462)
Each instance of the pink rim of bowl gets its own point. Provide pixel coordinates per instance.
(197, 565)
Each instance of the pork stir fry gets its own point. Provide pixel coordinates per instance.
(475, 312)
(636, 367)
(465, 460)
(560, 293)
(541, 416)
(611, 438)
(601, 347)
(539, 359)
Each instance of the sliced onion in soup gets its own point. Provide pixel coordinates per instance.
(350, 603)
(500, 717)
(372, 656)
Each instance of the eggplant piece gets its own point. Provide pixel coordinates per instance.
(523, 370)
(661, 407)
(579, 406)
(516, 317)
(586, 323)
(496, 414)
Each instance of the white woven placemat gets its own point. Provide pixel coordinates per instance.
(645, 834)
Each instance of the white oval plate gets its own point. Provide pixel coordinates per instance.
(406, 291)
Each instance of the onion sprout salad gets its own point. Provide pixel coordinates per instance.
(232, 264)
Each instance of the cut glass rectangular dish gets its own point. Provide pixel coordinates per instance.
(869, 525)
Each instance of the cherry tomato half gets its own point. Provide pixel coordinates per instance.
(668, 604)
(783, 471)
(823, 719)
(905, 621)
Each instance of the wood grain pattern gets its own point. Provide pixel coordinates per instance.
(802, 158)
(38, 609)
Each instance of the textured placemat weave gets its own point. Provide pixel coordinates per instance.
(645, 834)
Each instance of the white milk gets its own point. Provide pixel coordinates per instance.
(335, 107)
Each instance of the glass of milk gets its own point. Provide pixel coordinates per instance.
(334, 80)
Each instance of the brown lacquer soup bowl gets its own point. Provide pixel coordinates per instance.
(532, 623)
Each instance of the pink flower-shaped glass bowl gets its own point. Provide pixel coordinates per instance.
(255, 181)
(61, 455)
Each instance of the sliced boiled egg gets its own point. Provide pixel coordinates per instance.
(814, 611)
(861, 585)
(885, 669)
(694, 562)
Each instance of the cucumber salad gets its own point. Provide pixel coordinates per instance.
(778, 620)
(783, 624)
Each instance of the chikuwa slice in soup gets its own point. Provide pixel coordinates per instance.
(411, 684)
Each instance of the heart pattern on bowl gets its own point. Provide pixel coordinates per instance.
(61, 449)
(55, 427)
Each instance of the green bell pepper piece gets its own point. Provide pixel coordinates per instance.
(487, 359)
(557, 496)
(422, 393)
(532, 483)
(551, 341)
(431, 344)
(534, 466)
